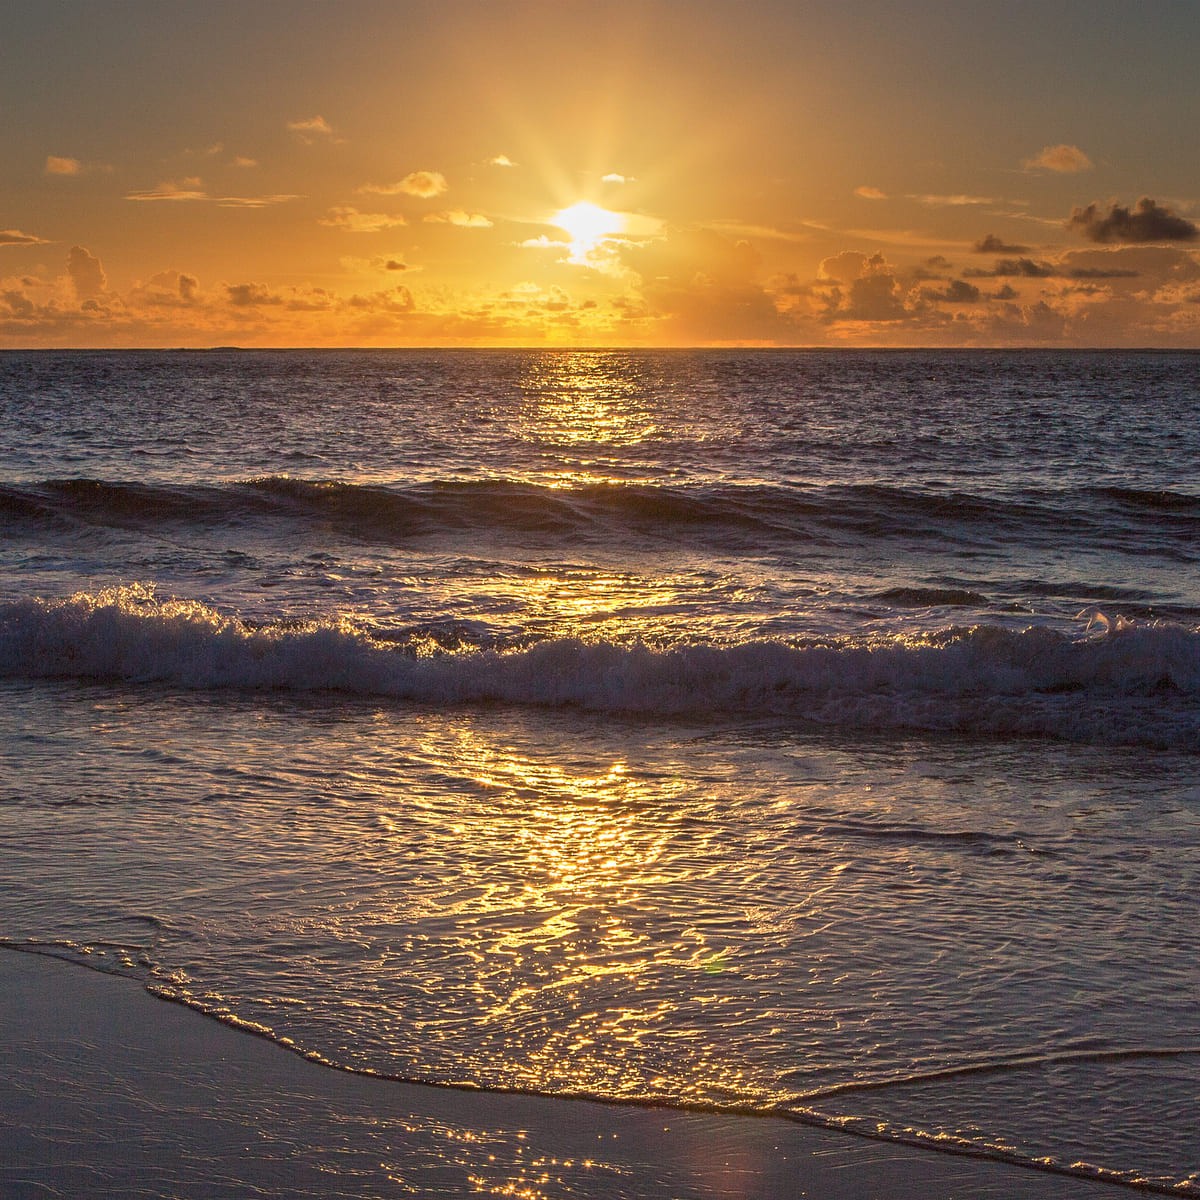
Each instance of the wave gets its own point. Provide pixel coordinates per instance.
(1159, 500)
(1117, 683)
(818, 514)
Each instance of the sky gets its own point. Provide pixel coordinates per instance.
(650, 173)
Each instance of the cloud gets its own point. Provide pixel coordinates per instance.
(251, 295)
(873, 296)
(311, 129)
(958, 200)
(395, 301)
(14, 237)
(458, 217)
(614, 177)
(350, 220)
(254, 201)
(185, 189)
(86, 272)
(697, 285)
(422, 184)
(1064, 159)
(1025, 268)
(501, 160)
(1101, 273)
(240, 160)
(958, 291)
(166, 290)
(870, 193)
(844, 267)
(1148, 222)
(991, 244)
(63, 166)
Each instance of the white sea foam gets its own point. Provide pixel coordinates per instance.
(1134, 684)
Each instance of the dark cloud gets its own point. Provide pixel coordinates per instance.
(251, 295)
(874, 297)
(958, 291)
(1147, 222)
(991, 244)
(86, 273)
(1007, 292)
(1101, 273)
(1024, 268)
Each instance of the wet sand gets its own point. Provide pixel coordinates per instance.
(111, 1092)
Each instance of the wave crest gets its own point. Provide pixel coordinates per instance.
(1135, 685)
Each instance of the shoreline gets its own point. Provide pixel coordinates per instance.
(114, 1092)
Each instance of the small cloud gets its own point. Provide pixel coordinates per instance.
(613, 177)
(350, 220)
(1064, 159)
(311, 129)
(501, 160)
(958, 200)
(958, 291)
(458, 217)
(543, 242)
(991, 244)
(184, 189)
(380, 262)
(1147, 222)
(422, 184)
(63, 166)
(254, 201)
(240, 160)
(1005, 292)
(1024, 268)
(870, 193)
(1102, 273)
(14, 237)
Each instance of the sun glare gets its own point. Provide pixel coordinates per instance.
(588, 225)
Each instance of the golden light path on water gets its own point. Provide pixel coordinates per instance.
(586, 399)
(574, 973)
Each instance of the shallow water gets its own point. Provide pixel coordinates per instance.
(719, 729)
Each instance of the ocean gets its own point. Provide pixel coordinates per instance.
(805, 733)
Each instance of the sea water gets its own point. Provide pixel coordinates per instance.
(805, 733)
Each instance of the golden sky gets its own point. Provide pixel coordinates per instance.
(655, 173)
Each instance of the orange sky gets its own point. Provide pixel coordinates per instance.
(377, 174)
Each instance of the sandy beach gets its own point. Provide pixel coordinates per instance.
(112, 1092)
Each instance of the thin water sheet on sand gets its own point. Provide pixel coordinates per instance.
(113, 1093)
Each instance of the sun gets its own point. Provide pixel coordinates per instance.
(588, 225)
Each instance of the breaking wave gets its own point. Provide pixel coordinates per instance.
(1115, 683)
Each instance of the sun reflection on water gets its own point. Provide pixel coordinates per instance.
(565, 870)
(587, 398)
